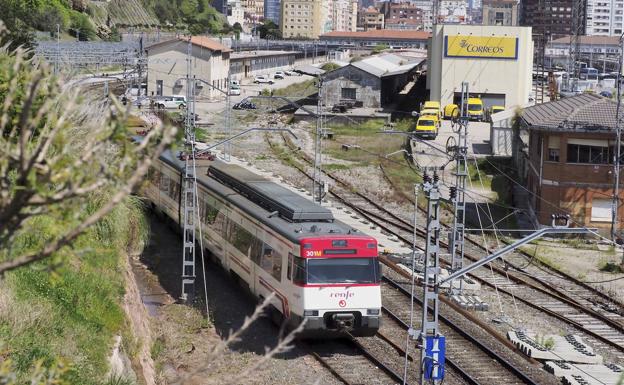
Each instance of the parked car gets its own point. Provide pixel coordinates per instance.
(279, 75)
(263, 79)
(475, 109)
(432, 105)
(173, 101)
(427, 127)
(290, 73)
(451, 111)
(235, 90)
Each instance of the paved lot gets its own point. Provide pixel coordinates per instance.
(211, 110)
(432, 154)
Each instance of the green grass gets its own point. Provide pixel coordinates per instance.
(302, 89)
(368, 128)
(69, 307)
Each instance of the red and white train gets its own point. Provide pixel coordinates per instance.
(277, 241)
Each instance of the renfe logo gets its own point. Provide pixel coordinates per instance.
(346, 294)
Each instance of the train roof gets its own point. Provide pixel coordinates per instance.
(281, 209)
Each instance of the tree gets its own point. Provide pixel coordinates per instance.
(57, 149)
(269, 30)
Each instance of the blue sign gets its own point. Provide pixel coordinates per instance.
(435, 347)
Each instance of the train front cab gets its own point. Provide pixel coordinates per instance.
(337, 286)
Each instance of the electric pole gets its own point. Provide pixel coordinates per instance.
(433, 349)
(616, 162)
(317, 183)
(458, 192)
(188, 188)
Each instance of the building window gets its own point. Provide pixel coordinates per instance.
(578, 153)
(348, 93)
(553, 148)
(601, 210)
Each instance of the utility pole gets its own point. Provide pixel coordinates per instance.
(458, 192)
(188, 188)
(616, 164)
(58, 49)
(317, 183)
(433, 349)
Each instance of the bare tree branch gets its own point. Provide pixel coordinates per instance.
(72, 234)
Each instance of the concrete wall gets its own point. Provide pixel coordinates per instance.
(168, 63)
(368, 87)
(512, 77)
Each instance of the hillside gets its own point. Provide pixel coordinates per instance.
(122, 13)
(93, 20)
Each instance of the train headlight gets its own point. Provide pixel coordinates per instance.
(310, 313)
(372, 311)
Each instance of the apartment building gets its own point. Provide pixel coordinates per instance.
(302, 19)
(604, 17)
(500, 12)
(551, 19)
(272, 11)
(453, 11)
(254, 9)
(339, 15)
(370, 18)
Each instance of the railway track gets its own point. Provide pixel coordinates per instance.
(481, 366)
(352, 363)
(589, 317)
(515, 376)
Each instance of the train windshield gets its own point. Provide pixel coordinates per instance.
(343, 270)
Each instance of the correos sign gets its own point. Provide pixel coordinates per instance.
(491, 47)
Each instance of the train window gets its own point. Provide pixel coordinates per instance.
(299, 273)
(241, 238)
(289, 269)
(343, 270)
(164, 183)
(271, 261)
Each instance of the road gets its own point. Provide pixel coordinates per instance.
(432, 154)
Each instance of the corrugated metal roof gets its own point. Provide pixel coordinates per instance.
(584, 112)
(387, 65)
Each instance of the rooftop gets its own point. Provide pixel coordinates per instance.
(589, 40)
(379, 34)
(580, 113)
(387, 65)
(200, 41)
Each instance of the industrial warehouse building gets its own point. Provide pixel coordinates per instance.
(373, 82)
(167, 67)
(496, 61)
(248, 64)
(564, 155)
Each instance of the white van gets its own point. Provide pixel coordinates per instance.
(173, 101)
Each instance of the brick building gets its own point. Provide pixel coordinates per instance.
(566, 158)
(370, 18)
(550, 18)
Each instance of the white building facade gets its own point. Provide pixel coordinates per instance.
(604, 17)
(496, 61)
(166, 67)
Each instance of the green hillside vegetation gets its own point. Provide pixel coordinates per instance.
(59, 316)
(89, 20)
(197, 15)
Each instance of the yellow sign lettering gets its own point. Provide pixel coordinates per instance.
(496, 47)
